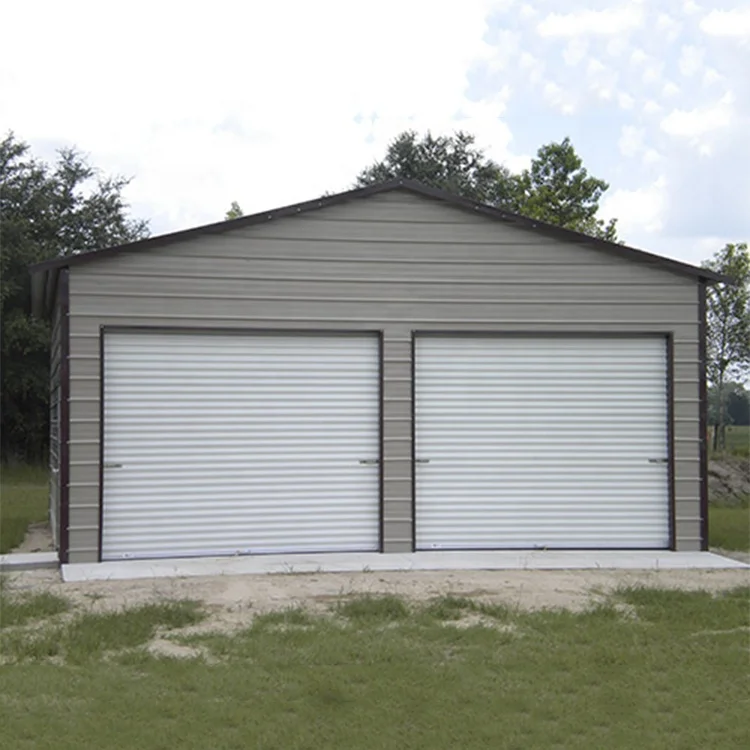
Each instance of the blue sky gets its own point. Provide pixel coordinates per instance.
(272, 103)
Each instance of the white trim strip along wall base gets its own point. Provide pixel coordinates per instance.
(364, 562)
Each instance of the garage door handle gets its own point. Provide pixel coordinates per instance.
(658, 460)
(370, 461)
(422, 461)
(112, 466)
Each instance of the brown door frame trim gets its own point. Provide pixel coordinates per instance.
(668, 336)
(317, 332)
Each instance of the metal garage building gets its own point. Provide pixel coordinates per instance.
(389, 369)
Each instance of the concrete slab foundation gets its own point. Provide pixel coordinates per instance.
(18, 561)
(350, 563)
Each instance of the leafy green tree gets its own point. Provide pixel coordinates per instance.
(46, 211)
(451, 163)
(234, 212)
(737, 404)
(728, 327)
(557, 189)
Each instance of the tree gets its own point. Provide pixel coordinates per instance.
(47, 211)
(736, 401)
(738, 405)
(558, 190)
(728, 327)
(234, 212)
(451, 163)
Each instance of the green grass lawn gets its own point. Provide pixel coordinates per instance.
(24, 499)
(729, 528)
(738, 440)
(648, 669)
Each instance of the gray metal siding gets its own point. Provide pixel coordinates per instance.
(393, 262)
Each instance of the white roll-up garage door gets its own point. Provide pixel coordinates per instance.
(235, 444)
(541, 443)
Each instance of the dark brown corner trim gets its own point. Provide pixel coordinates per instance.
(413, 441)
(381, 440)
(397, 184)
(703, 411)
(64, 302)
(101, 441)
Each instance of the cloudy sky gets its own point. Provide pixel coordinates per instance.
(270, 103)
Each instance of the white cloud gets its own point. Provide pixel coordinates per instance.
(690, 7)
(528, 11)
(575, 50)
(694, 123)
(727, 23)
(598, 22)
(533, 66)
(651, 156)
(561, 100)
(631, 140)
(617, 46)
(601, 78)
(668, 27)
(625, 101)
(652, 72)
(670, 89)
(691, 60)
(484, 120)
(712, 76)
(651, 107)
(638, 211)
(506, 46)
(518, 163)
(207, 105)
(652, 68)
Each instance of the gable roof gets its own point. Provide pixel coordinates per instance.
(42, 272)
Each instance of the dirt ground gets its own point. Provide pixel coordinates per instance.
(233, 601)
(38, 539)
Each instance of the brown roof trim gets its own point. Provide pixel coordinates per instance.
(418, 188)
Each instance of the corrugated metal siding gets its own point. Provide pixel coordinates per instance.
(383, 253)
(54, 425)
(231, 444)
(541, 442)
